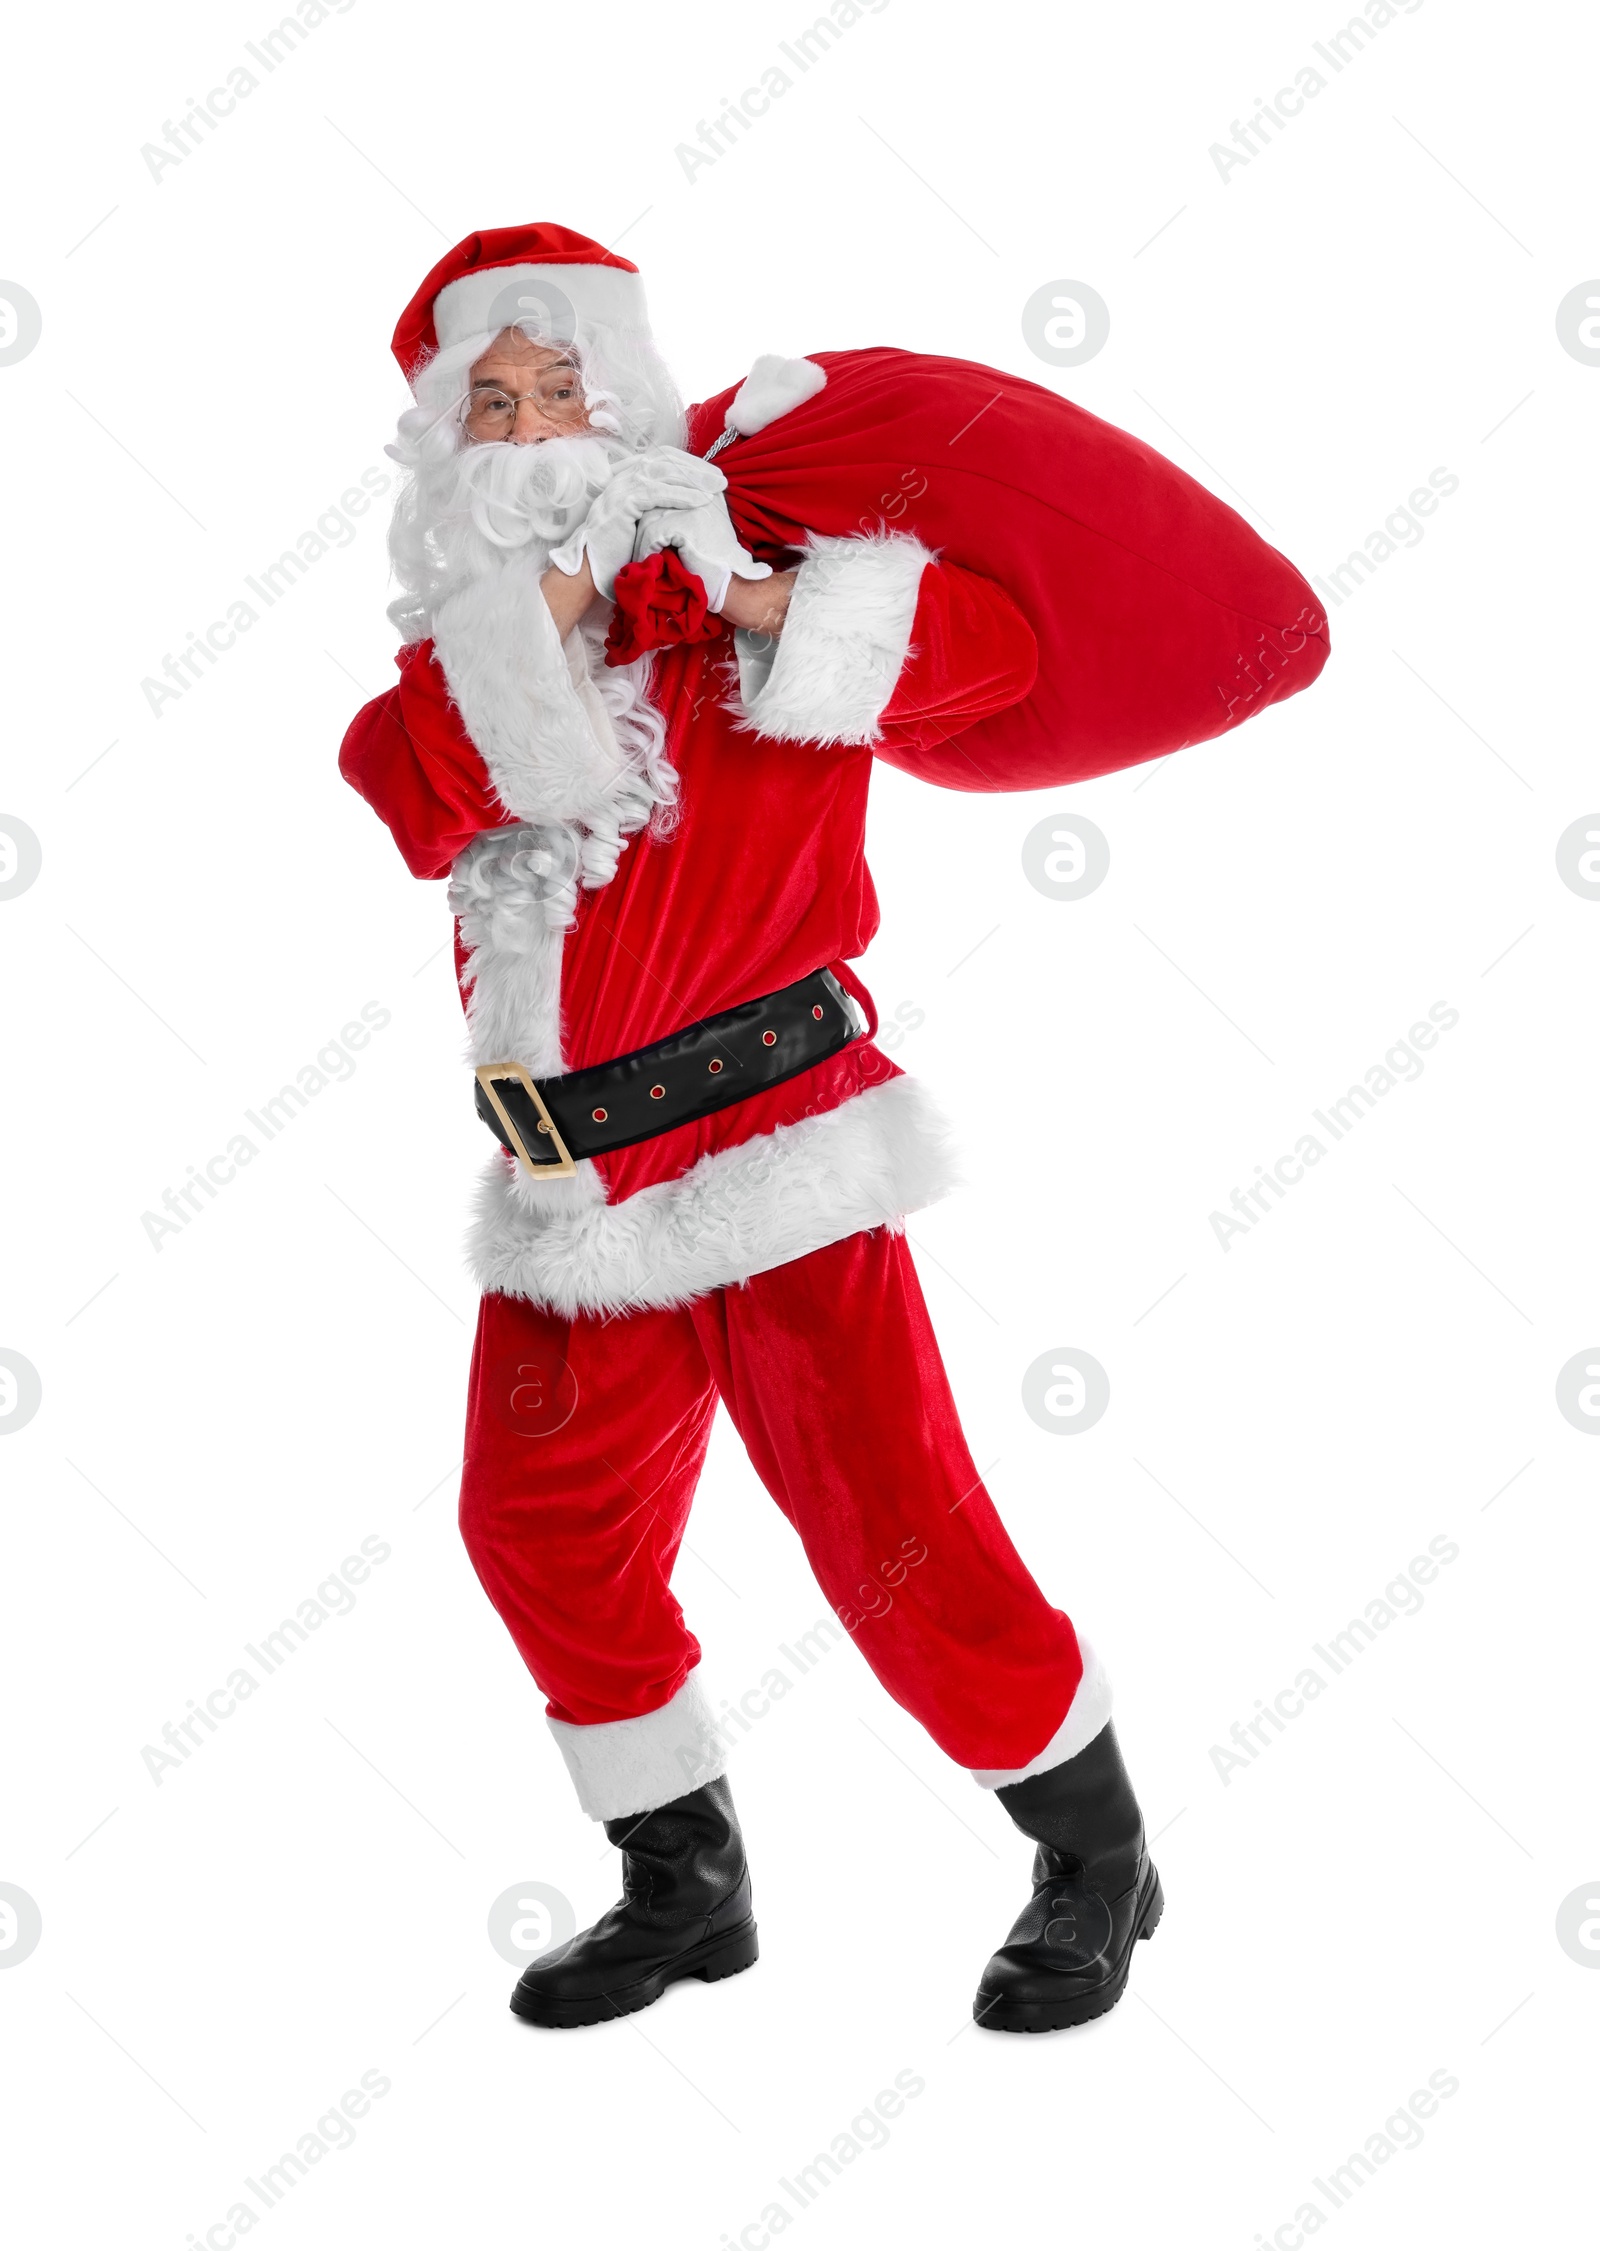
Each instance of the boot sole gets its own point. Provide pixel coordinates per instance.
(713, 1958)
(1001, 2015)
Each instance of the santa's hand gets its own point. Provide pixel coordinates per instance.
(704, 536)
(661, 478)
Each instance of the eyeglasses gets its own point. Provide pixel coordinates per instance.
(489, 413)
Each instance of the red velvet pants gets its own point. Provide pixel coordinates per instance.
(585, 1439)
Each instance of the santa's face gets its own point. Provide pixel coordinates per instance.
(522, 393)
(504, 459)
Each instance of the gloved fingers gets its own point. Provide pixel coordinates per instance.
(568, 557)
(675, 465)
(608, 547)
(704, 536)
(663, 477)
(662, 483)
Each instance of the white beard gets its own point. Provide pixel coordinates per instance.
(574, 748)
(465, 516)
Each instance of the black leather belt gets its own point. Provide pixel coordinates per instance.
(550, 1124)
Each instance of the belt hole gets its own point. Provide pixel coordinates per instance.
(769, 1039)
(599, 1116)
(713, 1067)
(817, 1013)
(656, 1092)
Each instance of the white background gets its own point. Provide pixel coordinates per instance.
(1374, 1898)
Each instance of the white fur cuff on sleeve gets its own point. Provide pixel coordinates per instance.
(844, 642)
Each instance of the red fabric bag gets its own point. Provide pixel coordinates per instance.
(1162, 618)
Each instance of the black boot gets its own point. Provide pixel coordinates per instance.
(685, 1912)
(1095, 1893)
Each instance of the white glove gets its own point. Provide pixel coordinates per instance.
(704, 536)
(661, 478)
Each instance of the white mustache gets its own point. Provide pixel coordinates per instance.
(517, 493)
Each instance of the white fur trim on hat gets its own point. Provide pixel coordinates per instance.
(568, 298)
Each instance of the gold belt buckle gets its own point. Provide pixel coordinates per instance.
(486, 1075)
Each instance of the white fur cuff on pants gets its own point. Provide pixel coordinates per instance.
(1087, 1714)
(620, 1767)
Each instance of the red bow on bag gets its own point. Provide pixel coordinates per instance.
(658, 603)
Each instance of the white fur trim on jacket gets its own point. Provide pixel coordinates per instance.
(530, 706)
(514, 891)
(1087, 1714)
(738, 1212)
(573, 748)
(621, 1767)
(844, 642)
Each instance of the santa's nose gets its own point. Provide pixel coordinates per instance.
(530, 427)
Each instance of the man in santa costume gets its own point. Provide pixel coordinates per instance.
(704, 1164)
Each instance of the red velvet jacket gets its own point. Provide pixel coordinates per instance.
(764, 877)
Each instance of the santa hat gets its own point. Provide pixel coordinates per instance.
(561, 281)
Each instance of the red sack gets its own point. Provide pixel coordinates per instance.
(1162, 619)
